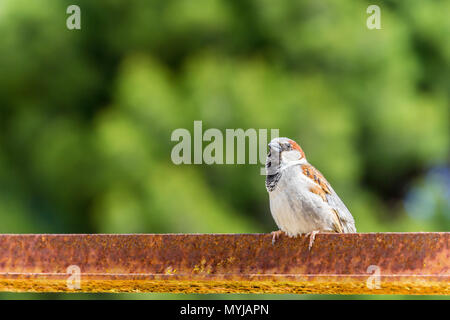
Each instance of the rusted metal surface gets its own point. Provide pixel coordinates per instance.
(408, 263)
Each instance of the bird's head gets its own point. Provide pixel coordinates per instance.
(282, 151)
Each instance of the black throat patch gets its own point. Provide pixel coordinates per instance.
(272, 180)
(273, 174)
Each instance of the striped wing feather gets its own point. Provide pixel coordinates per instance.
(344, 222)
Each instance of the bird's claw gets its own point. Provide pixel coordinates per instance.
(312, 237)
(275, 235)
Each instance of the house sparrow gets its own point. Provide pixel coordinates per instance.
(301, 200)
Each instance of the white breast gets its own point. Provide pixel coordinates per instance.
(295, 208)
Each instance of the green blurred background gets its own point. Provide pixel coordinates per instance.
(86, 115)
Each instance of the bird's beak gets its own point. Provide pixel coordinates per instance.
(275, 146)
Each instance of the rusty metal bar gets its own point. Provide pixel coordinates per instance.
(407, 263)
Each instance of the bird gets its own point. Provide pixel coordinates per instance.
(301, 199)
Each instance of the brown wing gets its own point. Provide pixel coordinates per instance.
(343, 219)
(314, 174)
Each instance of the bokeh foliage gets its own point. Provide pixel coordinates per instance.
(86, 116)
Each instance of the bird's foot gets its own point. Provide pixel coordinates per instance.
(276, 235)
(312, 237)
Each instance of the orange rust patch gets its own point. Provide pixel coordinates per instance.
(409, 263)
(321, 286)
